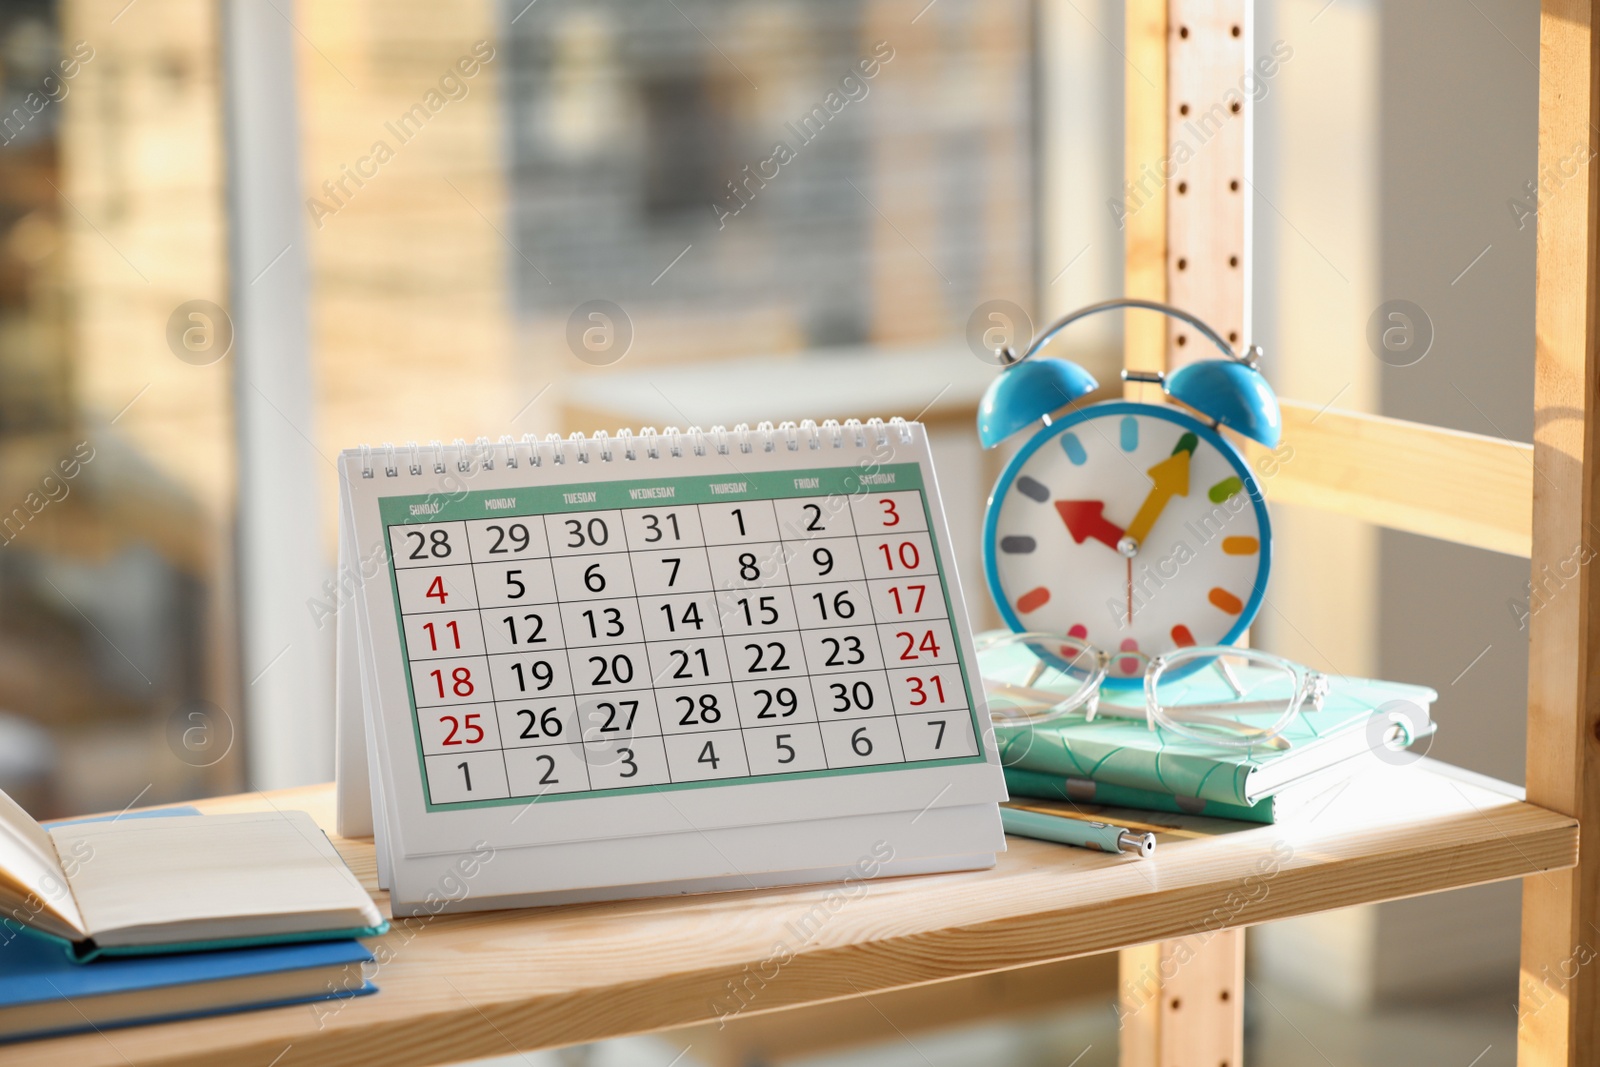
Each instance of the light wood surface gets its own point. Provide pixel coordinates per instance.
(1180, 1001)
(801, 1033)
(1195, 250)
(1559, 1013)
(465, 986)
(1144, 204)
(1208, 200)
(1456, 486)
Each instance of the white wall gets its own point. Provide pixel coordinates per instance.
(1389, 157)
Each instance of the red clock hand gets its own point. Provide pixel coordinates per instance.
(1086, 519)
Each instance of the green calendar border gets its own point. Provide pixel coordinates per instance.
(531, 501)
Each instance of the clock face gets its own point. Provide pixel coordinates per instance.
(1133, 527)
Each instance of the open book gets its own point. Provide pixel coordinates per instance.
(178, 883)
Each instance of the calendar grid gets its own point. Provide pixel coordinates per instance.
(635, 576)
(857, 666)
(555, 595)
(566, 643)
(856, 542)
(477, 598)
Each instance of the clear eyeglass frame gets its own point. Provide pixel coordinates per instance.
(1065, 676)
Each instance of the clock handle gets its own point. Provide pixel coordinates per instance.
(1149, 305)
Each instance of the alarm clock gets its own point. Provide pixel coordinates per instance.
(1135, 528)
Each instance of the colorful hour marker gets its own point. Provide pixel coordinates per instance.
(1241, 546)
(1017, 544)
(1129, 664)
(1224, 489)
(1225, 600)
(1181, 636)
(1074, 449)
(1032, 489)
(1033, 599)
(1080, 631)
(1130, 433)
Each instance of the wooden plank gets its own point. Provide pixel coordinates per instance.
(457, 987)
(801, 1033)
(1456, 486)
(1200, 241)
(1144, 204)
(1208, 202)
(1559, 1013)
(1179, 997)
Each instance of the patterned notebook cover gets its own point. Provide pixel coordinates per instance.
(1128, 752)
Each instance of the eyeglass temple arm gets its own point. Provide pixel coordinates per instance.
(1044, 696)
(1228, 676)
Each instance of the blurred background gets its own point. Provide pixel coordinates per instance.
(400, 211)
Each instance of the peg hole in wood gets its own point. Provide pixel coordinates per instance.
(1233, 186)
(1183, 264)
(1183, 31)
(1183, 109)
(1224, 996)
(1183, 187)
(1235, 106)
(1233, 261)
(1236, 31)
(1181, 340)
(1176, 1003)
(1233, 339)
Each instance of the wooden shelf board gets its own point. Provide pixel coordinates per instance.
(465, 986)
(1456, 486)
(796, 1034)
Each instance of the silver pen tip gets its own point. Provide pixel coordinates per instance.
(1142, 844)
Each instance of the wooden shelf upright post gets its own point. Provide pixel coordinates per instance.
(1559, 1010)
(1186, 214)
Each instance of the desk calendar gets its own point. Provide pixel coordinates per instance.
(658, 663)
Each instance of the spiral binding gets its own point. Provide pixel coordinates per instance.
(626, 447)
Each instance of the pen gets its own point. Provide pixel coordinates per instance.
(1065, 830)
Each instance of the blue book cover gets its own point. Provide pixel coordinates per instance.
(37, 977)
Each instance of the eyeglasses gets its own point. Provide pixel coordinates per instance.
(1214, 694)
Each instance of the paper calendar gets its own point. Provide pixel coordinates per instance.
(598, 667)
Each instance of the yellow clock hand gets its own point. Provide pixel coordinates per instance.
(1169, 478)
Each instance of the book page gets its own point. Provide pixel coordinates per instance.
(33, 886)
(211, 877)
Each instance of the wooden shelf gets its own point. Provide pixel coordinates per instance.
(464, 986)
(1463, 487)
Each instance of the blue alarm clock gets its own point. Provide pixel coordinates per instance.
(1137, 528)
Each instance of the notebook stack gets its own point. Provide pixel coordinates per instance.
(1122, 762)
(44, 993)
(169, 914)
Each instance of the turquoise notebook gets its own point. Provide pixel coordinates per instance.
(1023, 783)
(1128, 752)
